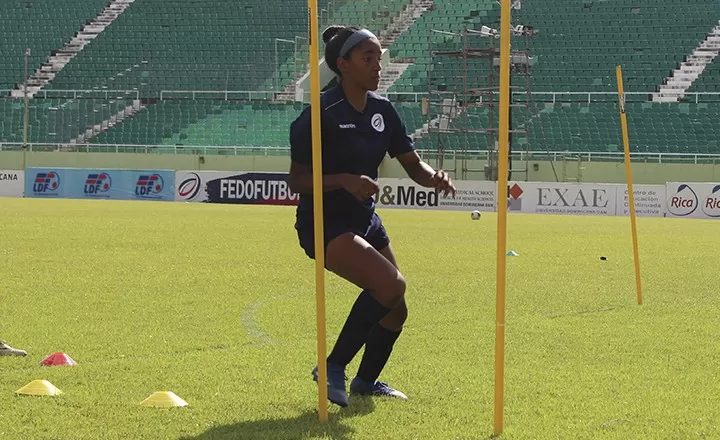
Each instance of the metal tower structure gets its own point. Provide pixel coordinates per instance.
(463, 99)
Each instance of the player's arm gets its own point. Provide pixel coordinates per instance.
(300, 179)
(425, 175)
(402, 148)
(416, 168)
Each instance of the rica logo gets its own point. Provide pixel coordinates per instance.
(98, 183)
(189, 187)
(148, 185)
(684, 202)
(48, 182)
(711, 204)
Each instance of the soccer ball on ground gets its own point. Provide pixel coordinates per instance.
(475, 215)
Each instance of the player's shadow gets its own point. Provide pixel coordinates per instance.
(306, 425)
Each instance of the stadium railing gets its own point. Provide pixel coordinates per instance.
(549, 97)
(556, 156)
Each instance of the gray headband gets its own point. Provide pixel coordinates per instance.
(355, 39)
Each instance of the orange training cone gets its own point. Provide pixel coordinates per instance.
(58, 359)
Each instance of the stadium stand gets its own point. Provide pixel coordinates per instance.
(655, 127)
(55, 120)
(43, 26)
(214, 123)
(411, 114)
(147, 51)
(709, 81)
(585, 43)
(576, 51)
(419, 40)
(187, 45)
(157, 46)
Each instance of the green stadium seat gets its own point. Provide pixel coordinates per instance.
(175, 47)
(42, 26)
(160, 45)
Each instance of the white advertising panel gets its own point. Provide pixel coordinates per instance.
(12, 183)
(697, 200)
(674, 199)
(562, 198)
(649, 200)
(406, 194)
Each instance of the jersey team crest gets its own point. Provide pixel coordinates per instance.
(378, 123)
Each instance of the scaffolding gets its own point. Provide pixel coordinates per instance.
(462, 103)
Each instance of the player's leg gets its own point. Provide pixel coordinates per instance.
(398, 315)
(6, 350)
(354, 259)
(382, 337)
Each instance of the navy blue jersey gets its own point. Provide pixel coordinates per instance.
(352, 142)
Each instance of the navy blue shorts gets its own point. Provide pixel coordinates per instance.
(374, 233)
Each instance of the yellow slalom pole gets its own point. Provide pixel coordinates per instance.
(318, 207)
(502, 202)
(628, 173)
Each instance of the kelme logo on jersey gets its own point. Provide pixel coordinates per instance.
(378, 123)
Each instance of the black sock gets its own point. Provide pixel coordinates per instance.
(378, 347)
(365, 313)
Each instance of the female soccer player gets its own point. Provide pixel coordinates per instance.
(359, 128)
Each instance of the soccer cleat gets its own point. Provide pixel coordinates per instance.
(362, 388)
(6, 350)
(335, 384)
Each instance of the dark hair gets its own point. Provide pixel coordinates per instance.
(334, 37)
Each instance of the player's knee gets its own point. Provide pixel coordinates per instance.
(393, 290)
(399, 286)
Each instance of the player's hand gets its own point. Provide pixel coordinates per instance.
(362, 187)
(442, 183)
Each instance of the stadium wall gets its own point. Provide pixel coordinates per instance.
(598, 172)
(672, 199)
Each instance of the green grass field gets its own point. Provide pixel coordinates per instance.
(216, 303)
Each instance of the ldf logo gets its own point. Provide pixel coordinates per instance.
(684, 202)
(147, 185)
(97, 183)
(46, 183)
(711, 204)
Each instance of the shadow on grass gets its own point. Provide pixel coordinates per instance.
(307, 425)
